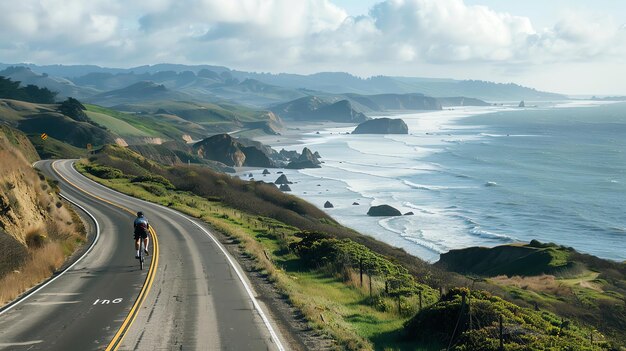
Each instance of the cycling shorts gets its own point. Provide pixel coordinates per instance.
(140, 235)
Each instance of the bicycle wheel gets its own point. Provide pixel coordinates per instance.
(141, 256)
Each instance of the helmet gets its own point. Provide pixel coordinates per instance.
(139, 214)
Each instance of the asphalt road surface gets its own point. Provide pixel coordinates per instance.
(190, 296)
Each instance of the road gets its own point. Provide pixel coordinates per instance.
(192, 296)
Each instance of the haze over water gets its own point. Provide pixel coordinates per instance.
(481, 176)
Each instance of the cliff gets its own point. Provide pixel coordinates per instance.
(37, 229)
(227, 150)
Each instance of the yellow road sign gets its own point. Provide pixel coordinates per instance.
(44, 136)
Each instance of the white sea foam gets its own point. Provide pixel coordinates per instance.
(399, 170)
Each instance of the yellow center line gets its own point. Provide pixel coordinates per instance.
(132, 314)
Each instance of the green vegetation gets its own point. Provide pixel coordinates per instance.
(363, 294)
(525, 260)
(470, 321)
(30, 93)
(53, 148)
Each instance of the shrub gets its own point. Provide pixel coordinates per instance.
(153, 179)
(104, 172)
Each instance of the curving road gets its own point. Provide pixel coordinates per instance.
(192, 297)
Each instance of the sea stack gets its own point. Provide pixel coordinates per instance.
(382, 126)
(282, 180)
(383, 211)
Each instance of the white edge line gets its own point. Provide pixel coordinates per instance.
(25, 297)
(256, 304)
(241, 278)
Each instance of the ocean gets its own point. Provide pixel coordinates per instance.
(479, 176)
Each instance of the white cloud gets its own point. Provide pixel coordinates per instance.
(303, 35)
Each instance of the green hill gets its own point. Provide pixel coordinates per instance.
(525, 260)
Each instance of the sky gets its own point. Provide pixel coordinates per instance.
(565, 46)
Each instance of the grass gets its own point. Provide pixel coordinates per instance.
(53, 148)
(39, 231)
(333, 301)
(333, 304)
(116, 125)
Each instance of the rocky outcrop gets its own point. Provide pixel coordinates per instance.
(282, 180)
(382, 126)
(327, 204)
(266, 172)
(383, 211)
(229, 151)
(306, 160)
(284, 187)
(410, 213)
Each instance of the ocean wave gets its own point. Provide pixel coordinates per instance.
(415, 207)
(419, 240)
(508, 135)
(481, 233)
(435, 188)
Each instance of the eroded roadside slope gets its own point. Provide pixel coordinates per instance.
(38, 231)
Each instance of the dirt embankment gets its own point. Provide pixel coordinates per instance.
(37, 229)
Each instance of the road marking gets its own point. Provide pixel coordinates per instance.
(59, 294)
(119, 336)
(50, 303)
(256, 304)
(248, 289)
(106, 302)
(25, 343)
(9, 307)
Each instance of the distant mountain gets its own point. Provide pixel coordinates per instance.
(139, 92)
(263, 89)
(344, 83)
(352, 107)
(313, 108)
(461, 101)
(391, 102)
(64, 88)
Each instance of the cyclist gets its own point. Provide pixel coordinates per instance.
(142, 227)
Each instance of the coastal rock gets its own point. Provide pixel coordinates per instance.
(266, 172)
(382, 126)
(410, 213)
(383, 211)
(285, 187)
(282, 180)
(327, 204)
(231, 152)
(355, 204)
(521, 104)
(306, 160)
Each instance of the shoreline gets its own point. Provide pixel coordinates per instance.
(370, 183)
